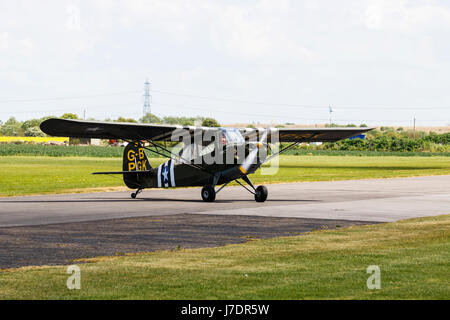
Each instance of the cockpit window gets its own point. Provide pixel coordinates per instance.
(229, 136)
(232, 136)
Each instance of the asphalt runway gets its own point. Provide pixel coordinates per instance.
(56, 229)
(379, 200)
(62, 243)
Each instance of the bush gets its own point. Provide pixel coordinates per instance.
(34, 132)
(210, 122)
(392, 141)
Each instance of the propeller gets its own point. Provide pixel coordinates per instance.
(253, 154)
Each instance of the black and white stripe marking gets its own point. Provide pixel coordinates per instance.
(166, 176)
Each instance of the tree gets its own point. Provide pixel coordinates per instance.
(184, 121)
(46, 118)
(210, 122)
(122, 119)
(11, 122)
(34, 132)
(11, 127)
(30, 123)
(150, 118)
(10, 130)
(69, 116)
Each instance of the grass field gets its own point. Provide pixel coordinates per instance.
(20, 175)
(358, 153)
(413, 256)
(11, 149)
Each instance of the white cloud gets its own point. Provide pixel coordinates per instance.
(406, 16)
(265, 32)
(73, 20)
(178, 19)
(374, 17)
(305, 52)
(27, 47)
(235, 33)
(4, 41)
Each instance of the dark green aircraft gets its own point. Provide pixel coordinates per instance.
(207, 157)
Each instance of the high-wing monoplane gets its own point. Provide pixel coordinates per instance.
(206, 157)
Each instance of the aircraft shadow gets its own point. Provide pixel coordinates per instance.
(108, 200)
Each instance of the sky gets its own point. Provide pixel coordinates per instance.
(378, 62)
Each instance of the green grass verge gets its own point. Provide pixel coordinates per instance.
(102, 151)
(413, 256)
(360, 153)
(21, 175)
(11, 149)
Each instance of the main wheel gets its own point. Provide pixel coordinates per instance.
(208, 193)
(261, 194)
(133, 195)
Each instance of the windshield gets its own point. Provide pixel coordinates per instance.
(232, 136)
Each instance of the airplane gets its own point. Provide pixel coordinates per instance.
(209, 157)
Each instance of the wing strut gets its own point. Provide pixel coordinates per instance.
(283, 150)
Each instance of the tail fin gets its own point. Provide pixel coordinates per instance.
(134, 159)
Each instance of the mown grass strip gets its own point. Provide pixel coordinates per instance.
(64, 151)
(21, 175)
(11, 149)
(413, 256)
(358, 153)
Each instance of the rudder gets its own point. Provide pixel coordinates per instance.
(134, 159)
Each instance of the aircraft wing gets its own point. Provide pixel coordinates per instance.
(305, 134)
(113, 130)
(159, 132)
(318, 134)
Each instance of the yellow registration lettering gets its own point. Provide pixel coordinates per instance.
(131, 166)
(130, 155)
(141, 153)
(144, 165)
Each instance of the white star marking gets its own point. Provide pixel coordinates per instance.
(166, 174)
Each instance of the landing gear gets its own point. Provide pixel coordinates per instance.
(208, 193)
(134, 194)
(261, 194)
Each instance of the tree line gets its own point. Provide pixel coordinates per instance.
(30, 128)
(391, 139)
(381, 139)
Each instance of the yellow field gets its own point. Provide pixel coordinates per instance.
(34, 139)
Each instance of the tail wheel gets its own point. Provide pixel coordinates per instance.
(208, 193)
(134, 194)
(261, 194)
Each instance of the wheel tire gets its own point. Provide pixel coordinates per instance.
(133, 195)
(261, 194)
(208, 193)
